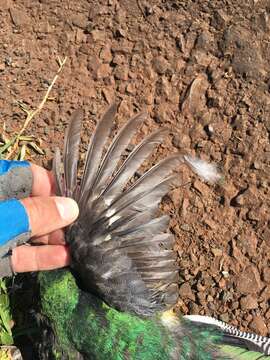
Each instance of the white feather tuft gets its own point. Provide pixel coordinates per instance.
(205, 170)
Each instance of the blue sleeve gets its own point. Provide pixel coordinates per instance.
(7, 165)
(15, 183)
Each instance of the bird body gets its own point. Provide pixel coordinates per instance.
(126, 284)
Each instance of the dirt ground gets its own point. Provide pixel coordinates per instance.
(200, 68)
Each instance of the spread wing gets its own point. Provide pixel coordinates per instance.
(120, 247)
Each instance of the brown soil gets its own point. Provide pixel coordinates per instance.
(200, 68)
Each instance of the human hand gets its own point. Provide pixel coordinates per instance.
(47, 216)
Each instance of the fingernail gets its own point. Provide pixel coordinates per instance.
(67, 208)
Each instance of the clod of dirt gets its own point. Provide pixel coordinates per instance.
(249, 281)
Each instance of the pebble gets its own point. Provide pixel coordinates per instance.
(79, 20)
(185, 292)
(224, 317)
(201, 187)
(19, 17)
(160, 65)
(121, 72)
(105, 54)
(220, 19)
(248, 302)
(249, 281)
(216, 251)
(266, 274)
(181, 141)
(258, 326)
(193, 308)
(104, 70)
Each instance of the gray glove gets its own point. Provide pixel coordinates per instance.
(15, 183)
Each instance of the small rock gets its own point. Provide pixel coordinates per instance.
(220, 19)
(222, 283)
(216, 252)
(93, 64)
(108, 95)
(131, 88)
(104, 70)
(246, 52)
(44, 28)
(267, 314)
(195, 100)
(249, 281)
(194, 308)
(181, 141)
(226, 296)
(121, 73)
(79, 20)
(120, 33)
(185, 227)
(258, 326)
(19, 17)
(224, 317)
(248, 302)
(176, 197)
(80, 36)
(185, 292)
(201, 187)
(251, 242)
(148, 97)
(184, 207)
(209, 130)
(98, 35)
(235, 305)
(204, 41)
(265, 295)
(266, 274)
(239, 200)
(162, 113)
(160, 65)
(105, 54)
(213, 226)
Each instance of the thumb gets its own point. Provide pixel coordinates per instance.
(47, 214)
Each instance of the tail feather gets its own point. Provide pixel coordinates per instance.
(233, 336)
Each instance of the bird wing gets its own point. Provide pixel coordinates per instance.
(120, 246)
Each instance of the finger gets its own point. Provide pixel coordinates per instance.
(57, 237)
(43, 181)
(47, 214)
(35, 258)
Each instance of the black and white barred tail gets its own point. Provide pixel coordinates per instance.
(233, 336)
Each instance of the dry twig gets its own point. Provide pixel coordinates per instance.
(14, 142)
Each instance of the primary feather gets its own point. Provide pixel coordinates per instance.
(121, 250)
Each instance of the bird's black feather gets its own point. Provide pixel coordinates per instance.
(120, 247)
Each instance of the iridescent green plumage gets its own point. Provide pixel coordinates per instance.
(85, 324)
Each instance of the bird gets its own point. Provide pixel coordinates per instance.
(117, 301)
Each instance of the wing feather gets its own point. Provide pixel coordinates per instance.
(56, 168)
(71, 151)
(120, 246)
(94, 153)
(113, 155)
